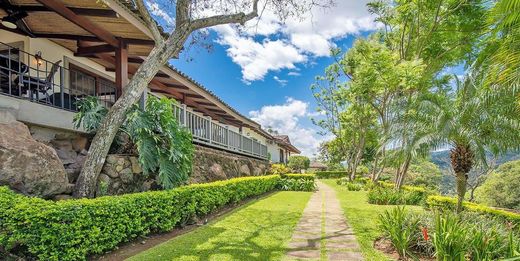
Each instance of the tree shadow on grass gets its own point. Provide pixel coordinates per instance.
(250, 234)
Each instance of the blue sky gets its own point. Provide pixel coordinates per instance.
(265, 69)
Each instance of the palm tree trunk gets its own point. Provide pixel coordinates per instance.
(461, 161)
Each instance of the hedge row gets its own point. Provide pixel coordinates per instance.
(450, 203)
(299, 176)
(75, 229)
(330, 174)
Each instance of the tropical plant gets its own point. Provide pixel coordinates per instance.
(90, 114)
(399, 227)
(474, 121)
(163, 146)
(450, 237)
(298, 163)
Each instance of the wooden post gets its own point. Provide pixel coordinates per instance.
(121, 68)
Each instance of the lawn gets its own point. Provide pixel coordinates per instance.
(363, 218)
(257, 231)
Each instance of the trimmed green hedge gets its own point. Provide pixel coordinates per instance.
(330, 174)
(75, 229)
(299, 176)
(450, 203)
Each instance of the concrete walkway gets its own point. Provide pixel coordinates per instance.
(322, 232)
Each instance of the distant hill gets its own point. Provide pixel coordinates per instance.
(442, 159)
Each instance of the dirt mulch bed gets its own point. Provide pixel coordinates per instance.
(384, 245)
(134, 247)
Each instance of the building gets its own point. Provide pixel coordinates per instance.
(280, 149)
(55, 52)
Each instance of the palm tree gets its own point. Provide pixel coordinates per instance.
(501, 52)
(474, 120)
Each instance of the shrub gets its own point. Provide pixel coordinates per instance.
(384, 194)
(330, 174)
(399, 228)
(502, 187)
(297, 182)
(449, 237)
(448, 203)
(298, 163)
(164, 146)
(74, 229)
(351, 186)
(279, 169)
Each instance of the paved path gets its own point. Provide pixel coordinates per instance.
(323, 232)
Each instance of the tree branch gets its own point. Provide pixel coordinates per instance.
(182, 12)
(240, 18)
(152, 25)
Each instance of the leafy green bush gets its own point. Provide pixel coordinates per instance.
(448, 236)
(502, 187)
(297, 182)
(164, 147)
(298, 163)
(382, 195)
(74, 229)
(399, 228)
(279, 169)
(330, 174)
(351, 186)
(449, 203)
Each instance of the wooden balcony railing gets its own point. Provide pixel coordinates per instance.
(206, 132)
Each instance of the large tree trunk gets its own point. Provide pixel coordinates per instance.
(87, 180)
(461, 161)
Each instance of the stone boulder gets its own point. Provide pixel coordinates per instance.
(28, 166)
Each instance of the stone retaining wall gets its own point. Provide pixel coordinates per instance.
(213, 164)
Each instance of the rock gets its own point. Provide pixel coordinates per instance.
(67, 156)
(147, 186)
(110, 171)
(112, 159)
(244, 170)
(116, 185)
(119, 168)
(126, 175)
(61, 144)
(72, 175)
(62, 197)
(70, 188)
(216, 172)
(80, 143)
(83, 152)
(29, 166)
(136, 167)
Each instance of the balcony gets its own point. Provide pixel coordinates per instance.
(27, 76)
(30, 77)
(209, 133)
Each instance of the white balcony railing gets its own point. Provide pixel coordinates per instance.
(206, 132)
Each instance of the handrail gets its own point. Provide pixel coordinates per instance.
(207, 132)
(27, 76)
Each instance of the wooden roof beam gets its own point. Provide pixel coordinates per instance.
(85, 51)
(77, 10)
(60, 8)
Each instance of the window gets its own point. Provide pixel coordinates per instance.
(85, 83)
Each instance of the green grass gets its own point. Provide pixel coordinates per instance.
(363, 218)
(260, 230)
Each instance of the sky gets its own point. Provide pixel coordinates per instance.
(265, 69)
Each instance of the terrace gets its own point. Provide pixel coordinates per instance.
(30, 77)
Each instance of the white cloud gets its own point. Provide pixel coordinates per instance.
(293, 74)
(156, 10)
(297, 40)
(282, 82)
(285, 118)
